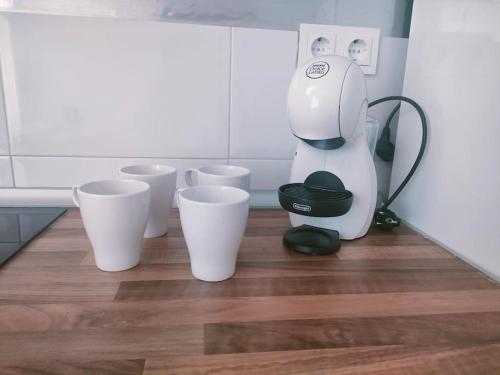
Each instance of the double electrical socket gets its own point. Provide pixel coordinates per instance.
(360, 44)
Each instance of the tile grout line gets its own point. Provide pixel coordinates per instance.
(114, 157)
(230, 104)
(9, 112)
(141, 157)
(7, 130)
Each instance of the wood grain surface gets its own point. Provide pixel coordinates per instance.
(388, 303)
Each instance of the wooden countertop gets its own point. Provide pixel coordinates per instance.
(386, 303)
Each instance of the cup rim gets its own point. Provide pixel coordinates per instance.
(154, 170)
(139, 188)
(243, 171)
(245, 195)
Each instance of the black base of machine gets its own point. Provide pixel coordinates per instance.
(321, 195)
(312, 240)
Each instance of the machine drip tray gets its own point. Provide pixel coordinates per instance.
(312, 240)
(321, 195)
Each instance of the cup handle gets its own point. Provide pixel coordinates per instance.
(189, 176)
(74, 191)
(177, 193)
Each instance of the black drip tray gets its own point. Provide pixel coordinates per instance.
(321, 195)
(312, 240)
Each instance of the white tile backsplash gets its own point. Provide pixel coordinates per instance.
(96, 87)
(6, 178)
(387, 82)
(4, 139)
(266, 174)
(64, 172)
(4, 47)
(9, 112)
(263, 62)
(383, 169)
(85, 96)
(389, 78)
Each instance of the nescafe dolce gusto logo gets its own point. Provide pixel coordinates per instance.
(317, 69)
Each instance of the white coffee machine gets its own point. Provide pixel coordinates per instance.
(333, 186)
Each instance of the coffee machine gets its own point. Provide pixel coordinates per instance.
(333, 186)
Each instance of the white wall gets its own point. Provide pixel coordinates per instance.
(453, 71)
(391, 16)
(85, 96)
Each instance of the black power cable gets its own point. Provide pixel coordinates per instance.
(385, 218)
(384, 147)
(392, 114)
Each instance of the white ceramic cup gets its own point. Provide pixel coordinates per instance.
(226, 175)
(114, 213)
(213, 220)
(162, 180)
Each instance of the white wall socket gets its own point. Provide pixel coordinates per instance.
(360, 44)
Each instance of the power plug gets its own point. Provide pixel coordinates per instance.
(384, 148)
(386, 219)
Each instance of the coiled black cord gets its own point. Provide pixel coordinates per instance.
(384, 217)
(392, 114)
